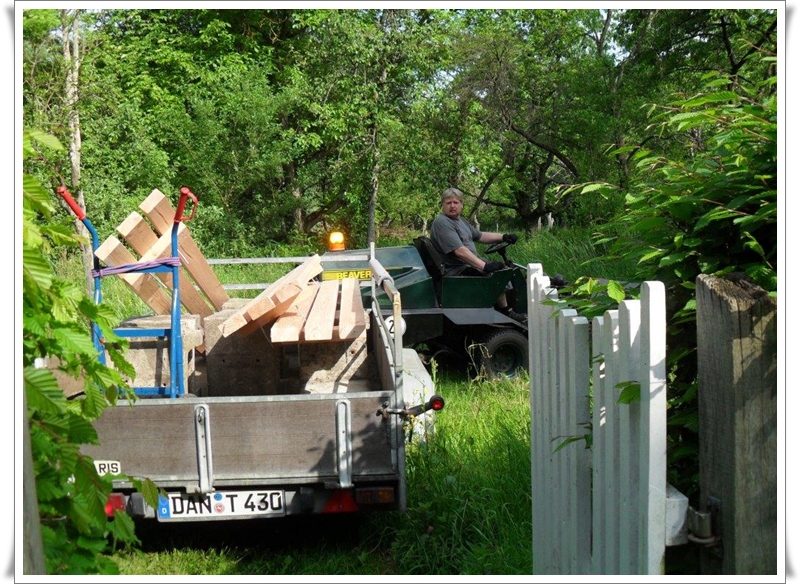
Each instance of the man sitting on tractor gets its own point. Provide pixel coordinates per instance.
(455, 239)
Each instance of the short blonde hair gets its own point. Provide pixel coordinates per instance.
(451, 192)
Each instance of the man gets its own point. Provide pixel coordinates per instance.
(455, 239)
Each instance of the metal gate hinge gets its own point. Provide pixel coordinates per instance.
(703, 525)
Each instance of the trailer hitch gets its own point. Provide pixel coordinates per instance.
(435, 403)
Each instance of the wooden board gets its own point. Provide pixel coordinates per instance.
(335, 314)
(161, 214)
(283, 299)
(163, 248)
(142, 239)
(112, 252)
(273, 301)
(319, 324)
(288, 328)
(352, 316)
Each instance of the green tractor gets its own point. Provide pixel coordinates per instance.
(448, 317)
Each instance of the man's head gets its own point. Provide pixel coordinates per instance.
(452, 202)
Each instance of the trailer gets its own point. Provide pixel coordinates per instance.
(262, 425)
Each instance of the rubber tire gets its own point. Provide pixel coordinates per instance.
(504, 353)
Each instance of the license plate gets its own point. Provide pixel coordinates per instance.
(220, 505)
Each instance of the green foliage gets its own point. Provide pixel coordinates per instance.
(713, 210)
(55, 313)
(286, 122)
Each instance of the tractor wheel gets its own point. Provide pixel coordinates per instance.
(503, 353)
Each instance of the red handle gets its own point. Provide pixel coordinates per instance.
(185, 194)
(76, 208)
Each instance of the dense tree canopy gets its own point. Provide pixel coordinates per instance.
(290, 122)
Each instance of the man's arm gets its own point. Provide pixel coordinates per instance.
(491, 237)
(465, 255)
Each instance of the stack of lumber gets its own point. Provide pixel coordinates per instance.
(200, 290)
(297, 308)
(300, 309)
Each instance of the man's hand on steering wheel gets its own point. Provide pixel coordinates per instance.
(497, 247)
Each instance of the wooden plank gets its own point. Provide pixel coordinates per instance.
(599, 446)
(630, 439)
(113, 253)
(352, 316)
(288, 328)
(319, 325)
(610, 525)
(283, 300)
(142, 239)
(161, 214)
(163, 248)
(653, 455)
(265, 308)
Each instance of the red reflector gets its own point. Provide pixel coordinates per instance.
(115, 501)
(437, 403)
(374, 495)
(340, 501)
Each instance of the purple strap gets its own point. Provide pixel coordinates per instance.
(137, 267)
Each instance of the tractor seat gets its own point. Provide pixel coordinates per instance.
(431, 257)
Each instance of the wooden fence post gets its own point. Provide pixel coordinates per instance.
(737, 406)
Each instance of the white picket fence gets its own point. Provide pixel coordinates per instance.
(607, 508)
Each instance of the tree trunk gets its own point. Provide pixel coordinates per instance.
(373, 195)
(72, 59)
(376, 152)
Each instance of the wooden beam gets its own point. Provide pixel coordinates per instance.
(319, 325)
(142, 239)
(273, 301)
(161, 214)
(288, 328)
(283, 299)
(352, 316)
(163, 248)
(113, 253)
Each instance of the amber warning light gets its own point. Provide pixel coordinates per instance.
(336, 241)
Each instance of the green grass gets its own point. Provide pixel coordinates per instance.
(570, 252)
(469, 486)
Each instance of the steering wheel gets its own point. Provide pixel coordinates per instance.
(498, 247)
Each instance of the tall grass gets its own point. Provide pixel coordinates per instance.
(571, 252)
(469, 485)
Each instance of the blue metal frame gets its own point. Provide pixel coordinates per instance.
(173, 334)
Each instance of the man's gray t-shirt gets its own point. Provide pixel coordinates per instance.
(449, 234)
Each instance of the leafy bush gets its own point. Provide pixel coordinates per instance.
(71, 495)
(712, 211)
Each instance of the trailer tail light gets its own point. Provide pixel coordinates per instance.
(375, 495)
(115, 501)
(340, 501)
(336, 241)
(436, 402)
